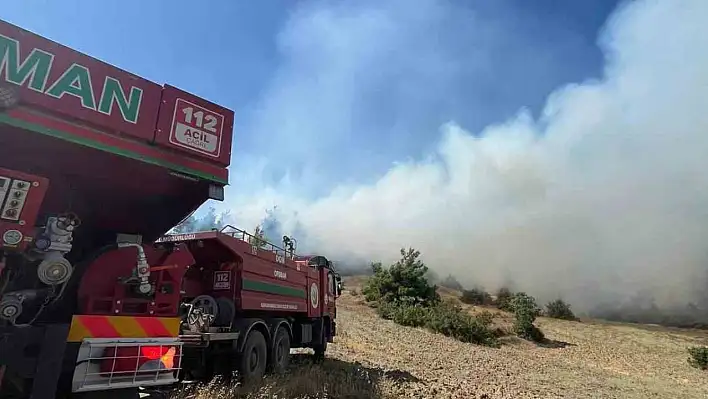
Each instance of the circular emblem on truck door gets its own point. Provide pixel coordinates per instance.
(314, 295)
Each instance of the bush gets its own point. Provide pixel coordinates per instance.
(411, 316)
(559, 309)
(476, 296)
(443, 318)
(525, 311)
(401, 293)
(504, 297)
(449, 319)
(375, 285)
(406, 314)
(698, 357)
(386, 310)
(485, 317)
(403, 282)
(522, 302)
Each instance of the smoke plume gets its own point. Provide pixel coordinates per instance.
(602, 199)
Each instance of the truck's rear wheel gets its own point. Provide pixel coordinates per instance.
(280, 356)
(254, 358)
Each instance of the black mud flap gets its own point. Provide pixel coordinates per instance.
(35, 353)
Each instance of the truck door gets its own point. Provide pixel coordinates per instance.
(324, 289)
(331, 293)
(314, 292)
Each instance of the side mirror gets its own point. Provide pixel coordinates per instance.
(339, 284)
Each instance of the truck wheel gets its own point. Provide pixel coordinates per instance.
(280, 355)
(254, 358)
(320, 348)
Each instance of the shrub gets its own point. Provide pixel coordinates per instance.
(376, 285)
(445, 318)
(485, 317)
(522, 302)
(401, 293)
(476, 296)
(504, 296)
(525, 311)
(698, 357)
(411, 316)
(449, 319)
(386, 310)
(405, 281)
(559, 309)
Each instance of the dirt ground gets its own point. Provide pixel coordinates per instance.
(590, 359)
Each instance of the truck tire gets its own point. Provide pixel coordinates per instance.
(320, 350)
(321, 347)
(254, 358)
(280, 355)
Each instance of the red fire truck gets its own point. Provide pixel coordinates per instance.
(96, 164)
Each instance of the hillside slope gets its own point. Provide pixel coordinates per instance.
(374, 358)
(598, 360)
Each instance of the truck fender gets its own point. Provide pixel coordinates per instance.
(245, 326)
(275, 324)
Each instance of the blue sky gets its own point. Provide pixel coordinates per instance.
(332, 92)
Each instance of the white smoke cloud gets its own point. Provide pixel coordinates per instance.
(605, 195)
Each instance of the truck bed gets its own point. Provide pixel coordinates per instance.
(263, 278)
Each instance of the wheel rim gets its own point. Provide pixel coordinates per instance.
(279, 351)
(253, 360)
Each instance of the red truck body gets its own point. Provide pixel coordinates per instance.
(254, 278)
(96, 164)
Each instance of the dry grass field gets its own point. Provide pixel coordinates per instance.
(374, 358)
